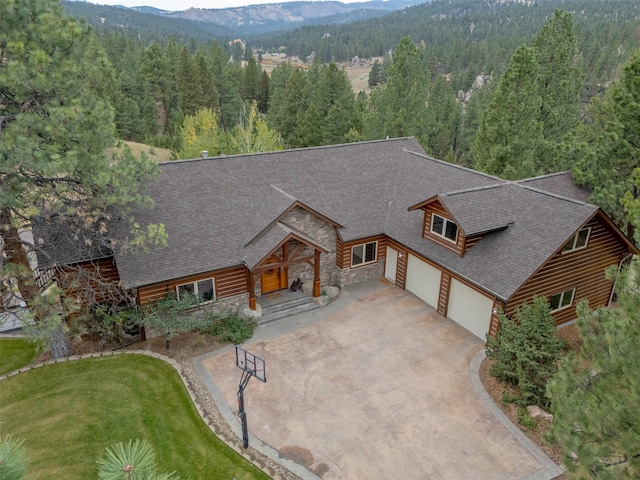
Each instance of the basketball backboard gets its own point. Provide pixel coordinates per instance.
(250, 363)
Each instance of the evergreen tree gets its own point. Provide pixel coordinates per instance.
(560, 83)
(471, 118)
(398, 108)
(442, 122)
(154, 67)
(596, 392)
(375, 74)
(290, 111)
(510, 131)
(335, 104)
(265, 92)
(251, 84)
(190, 93)
(607, 153)
(54, 129)
(210, 95)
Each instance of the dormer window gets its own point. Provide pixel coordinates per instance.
(578, 241)
(444, 228)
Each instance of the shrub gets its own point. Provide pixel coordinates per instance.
(526, 420)
(527, 351)
(13, 458)
(228, 328)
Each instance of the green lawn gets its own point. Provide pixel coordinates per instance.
(69, 413)
(15, 353)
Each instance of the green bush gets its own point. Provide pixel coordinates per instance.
(527, 351)
(510, 398)
(229, 328)
(526, 420)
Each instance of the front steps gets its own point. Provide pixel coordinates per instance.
(288, 308)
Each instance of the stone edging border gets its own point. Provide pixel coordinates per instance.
(550, 469)
(179, 369)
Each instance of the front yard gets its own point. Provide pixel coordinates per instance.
(69, 413)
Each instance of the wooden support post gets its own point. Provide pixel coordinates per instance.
(316, 275)
(252, 291)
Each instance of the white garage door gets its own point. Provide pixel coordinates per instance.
(423, 280)
(469, 308)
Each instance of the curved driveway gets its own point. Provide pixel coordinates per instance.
(379, 389)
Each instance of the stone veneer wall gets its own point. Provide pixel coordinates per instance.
(349, 276)
(234, 302)
(324, 234)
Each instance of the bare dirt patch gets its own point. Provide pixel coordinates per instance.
(157, 154)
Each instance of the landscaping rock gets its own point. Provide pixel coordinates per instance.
(322, 300)
(537, 413)
(331, 291)
(246, 313)
(307, 288)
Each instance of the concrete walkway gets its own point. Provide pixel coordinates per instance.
(375, 385)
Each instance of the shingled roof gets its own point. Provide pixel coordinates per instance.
(213, 208)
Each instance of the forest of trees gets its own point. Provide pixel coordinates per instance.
(536, 117)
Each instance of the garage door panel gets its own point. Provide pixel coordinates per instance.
(469, 308)
(423, 280)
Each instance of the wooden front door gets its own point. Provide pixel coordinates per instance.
(270, 280)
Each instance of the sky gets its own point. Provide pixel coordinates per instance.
(186, 4)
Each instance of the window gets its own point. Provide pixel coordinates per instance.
(578, 241)
(203, 289)
(363, 254)
(444, 228)
(562, 300)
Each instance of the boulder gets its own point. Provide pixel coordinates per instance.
(246, 313)
(537, 413)
(322, 300)
(307, 288)
(331, 291)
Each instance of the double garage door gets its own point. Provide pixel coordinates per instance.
(467, 307)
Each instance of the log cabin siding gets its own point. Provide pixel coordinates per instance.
(101, 278)
(443, 296)
(228, 282)
(437, 208)
(580, 269)
(401, 271)
(469, 242)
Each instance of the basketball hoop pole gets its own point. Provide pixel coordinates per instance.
(251, 366)
(244, 380)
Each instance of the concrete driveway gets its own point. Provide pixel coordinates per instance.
(379, 389)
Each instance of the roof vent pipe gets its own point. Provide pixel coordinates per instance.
(205, 154)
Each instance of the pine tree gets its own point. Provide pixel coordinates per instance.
(596, 392)
(210, 95)
(54, 129)
(375, 74)
(442, 122)
(510, 131)
(607, 153)
(560, 84)
(398, 108)
(189, 88)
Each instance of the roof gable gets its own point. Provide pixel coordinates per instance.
(275, 205)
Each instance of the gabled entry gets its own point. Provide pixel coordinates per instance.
(272, 268)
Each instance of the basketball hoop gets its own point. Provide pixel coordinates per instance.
(251, 366)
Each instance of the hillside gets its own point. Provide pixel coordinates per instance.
(475, 36)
